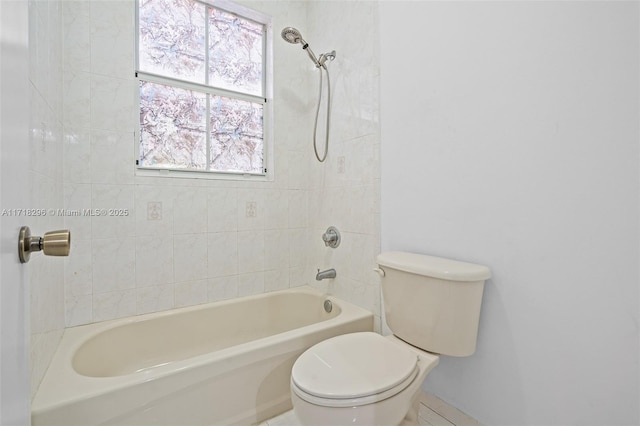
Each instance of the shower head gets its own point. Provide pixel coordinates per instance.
(293, 36)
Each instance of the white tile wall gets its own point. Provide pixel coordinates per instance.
(46, 144)
(189, 241)
(343, 190)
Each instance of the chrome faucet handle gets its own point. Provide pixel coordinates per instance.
(331, 237)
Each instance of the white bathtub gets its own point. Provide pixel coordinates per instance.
(221, 363)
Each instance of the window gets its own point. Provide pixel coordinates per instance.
(203, 88)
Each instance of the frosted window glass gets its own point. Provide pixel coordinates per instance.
(235, 53)
(172, 127)
(172, 38)
(236, 135)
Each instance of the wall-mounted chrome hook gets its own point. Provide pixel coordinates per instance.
(54, 243)
(331, 238)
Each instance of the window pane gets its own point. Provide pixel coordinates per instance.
(172, 127)
(172, 38)
(236, 135)
(235, 53)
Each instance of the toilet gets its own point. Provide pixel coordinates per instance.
(432, 306)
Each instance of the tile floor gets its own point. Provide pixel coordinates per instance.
(433, 412)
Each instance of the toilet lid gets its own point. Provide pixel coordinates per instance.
(354, 366)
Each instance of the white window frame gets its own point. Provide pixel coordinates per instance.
(267, 117)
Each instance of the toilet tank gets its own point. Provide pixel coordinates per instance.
(431, 302)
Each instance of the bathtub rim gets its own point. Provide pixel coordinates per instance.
(53, 394)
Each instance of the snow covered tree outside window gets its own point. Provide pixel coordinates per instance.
(201, 72)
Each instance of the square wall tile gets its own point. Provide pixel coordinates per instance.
(76, 35)
(251, 251)
(251, 209)
(276, 249)
(113, 261)
(115, 304)
(191, 293)
(249, 284)
(112, 38)
(190, 211)
(223, 254)
(222, 209)
(155, 298)
(154, 261)
(222, 288)
(112, 159)
(77, 155)
(112, 102)
(154, 210)
(190, 257)
(115, 204)
(276, 280)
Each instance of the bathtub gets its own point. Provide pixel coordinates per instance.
(221, 363)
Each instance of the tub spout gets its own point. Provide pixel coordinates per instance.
(329, 273)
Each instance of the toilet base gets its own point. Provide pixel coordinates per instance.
(411, 419)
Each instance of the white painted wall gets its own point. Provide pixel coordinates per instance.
(14, 193)
(510, 138)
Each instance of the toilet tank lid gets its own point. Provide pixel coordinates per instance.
(436, 267)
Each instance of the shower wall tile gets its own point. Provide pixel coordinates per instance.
(298, 247)
(276, 280)
(112, 102)
(343, 189)
(251, 251)
(190, 257)
(276, 204)
(113, 264)
(78, 309)
(250, 284)
(298, 212)
(154, 261)
(115, 304)
(190, 214)
(153, 210)
(45, 174)
(189, 241)
(76, 198)
(251, 209)
(77, 155)
(299, 275)
(276, 253)
(222, 254)
(154, 298)
(78, 269)
(112, 30)
(112, 160)
(222, 204)
(191, 293)
(297, 169)
(76, 101)
(77, 35)
(222, 288)
(112, 211)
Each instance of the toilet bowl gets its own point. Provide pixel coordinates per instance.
(432, 306)
(359, 379)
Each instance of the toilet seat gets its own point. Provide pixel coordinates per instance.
(353, 369)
